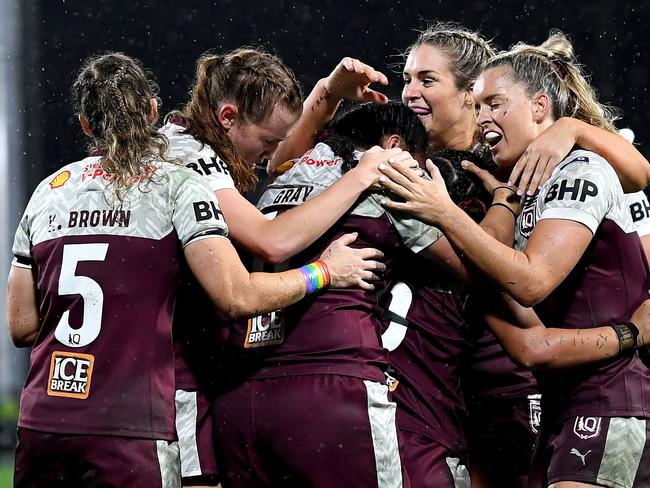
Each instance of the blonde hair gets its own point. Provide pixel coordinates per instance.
(466, 50)
(251, 79)
(552, 69)
(113, 92)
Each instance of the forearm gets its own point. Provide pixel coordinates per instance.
(318, 109)
(546, 348)
(510, 269)
(632, 168)
(292, 231)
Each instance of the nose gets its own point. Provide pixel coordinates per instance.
(410, 92)
(482, 116)
(269, 150)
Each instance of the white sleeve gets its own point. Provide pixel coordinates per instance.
(580, 190)
(639, 211)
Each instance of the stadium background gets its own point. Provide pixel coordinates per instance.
(42, 44)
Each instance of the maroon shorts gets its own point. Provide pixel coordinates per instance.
(60, 460)
(194, 430)
(501, 435)
(311, 430)
(431, 465)
(603, 451)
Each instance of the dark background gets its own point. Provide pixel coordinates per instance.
(610, 38)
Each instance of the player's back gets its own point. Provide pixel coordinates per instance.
(334, 331)
(106, 273)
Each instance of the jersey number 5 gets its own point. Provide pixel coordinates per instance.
(93, 296)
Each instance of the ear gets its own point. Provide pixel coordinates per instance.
(389, 142)
(469, 95)
(227, 115)
(85, 126)
(541, 107)
(154, 110)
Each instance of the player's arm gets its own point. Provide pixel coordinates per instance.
(276, 240)
(532, 345)
(22, 309)
(350, 80)
(547, 151)
(238, 293)
(553, 249)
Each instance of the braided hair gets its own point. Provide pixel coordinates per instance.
(114, 93)
(256, 82)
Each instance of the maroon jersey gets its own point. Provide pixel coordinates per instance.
(334, 331)
(429, 339)
(106, 277)
(608, 283)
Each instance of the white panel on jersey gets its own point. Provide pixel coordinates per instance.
(381, 413)
(169, 462)
(639, 211)
(186, 412)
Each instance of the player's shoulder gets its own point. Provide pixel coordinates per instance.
(183, 145)
(583, 161)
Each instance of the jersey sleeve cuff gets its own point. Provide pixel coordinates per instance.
(207, 234)
(573, 214)
(424, 240)
(22, 262)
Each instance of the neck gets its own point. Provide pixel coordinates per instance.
(461, 136)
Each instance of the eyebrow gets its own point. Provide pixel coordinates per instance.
(423, 72)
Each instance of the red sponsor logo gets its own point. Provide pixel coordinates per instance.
(95, 170)
(60, 179)
(308, 160)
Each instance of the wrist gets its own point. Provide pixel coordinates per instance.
(316, 275)
(504, 196)
(628, 335)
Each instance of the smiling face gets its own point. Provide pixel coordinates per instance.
(508, 118)
(258, 141)
(430, 91)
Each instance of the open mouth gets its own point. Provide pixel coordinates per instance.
(492, 137)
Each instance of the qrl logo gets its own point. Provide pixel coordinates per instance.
(70, 375)
(587, 427)
(535, 412)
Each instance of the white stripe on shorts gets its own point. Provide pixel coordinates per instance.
(623, 450)
(186, 408)
(459, 472)
(381, 413)
(169, 461)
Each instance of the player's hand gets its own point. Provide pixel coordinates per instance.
(351, 80)
(488, 179)
(641, 318)
(542, 156)
(427, 200)
(367, 170)
(352, 268)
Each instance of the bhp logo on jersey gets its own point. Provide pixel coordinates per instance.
(70, 375)
(265, 330)
(578, 190)
(206, 211)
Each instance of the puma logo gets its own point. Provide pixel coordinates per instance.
(581, 456)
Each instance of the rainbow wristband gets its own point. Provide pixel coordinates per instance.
(316, 275)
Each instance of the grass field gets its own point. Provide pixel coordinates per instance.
(6, 473)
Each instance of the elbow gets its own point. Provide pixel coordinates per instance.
(275, 253)
(533, 357)
(19, 338)
(530, 294)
